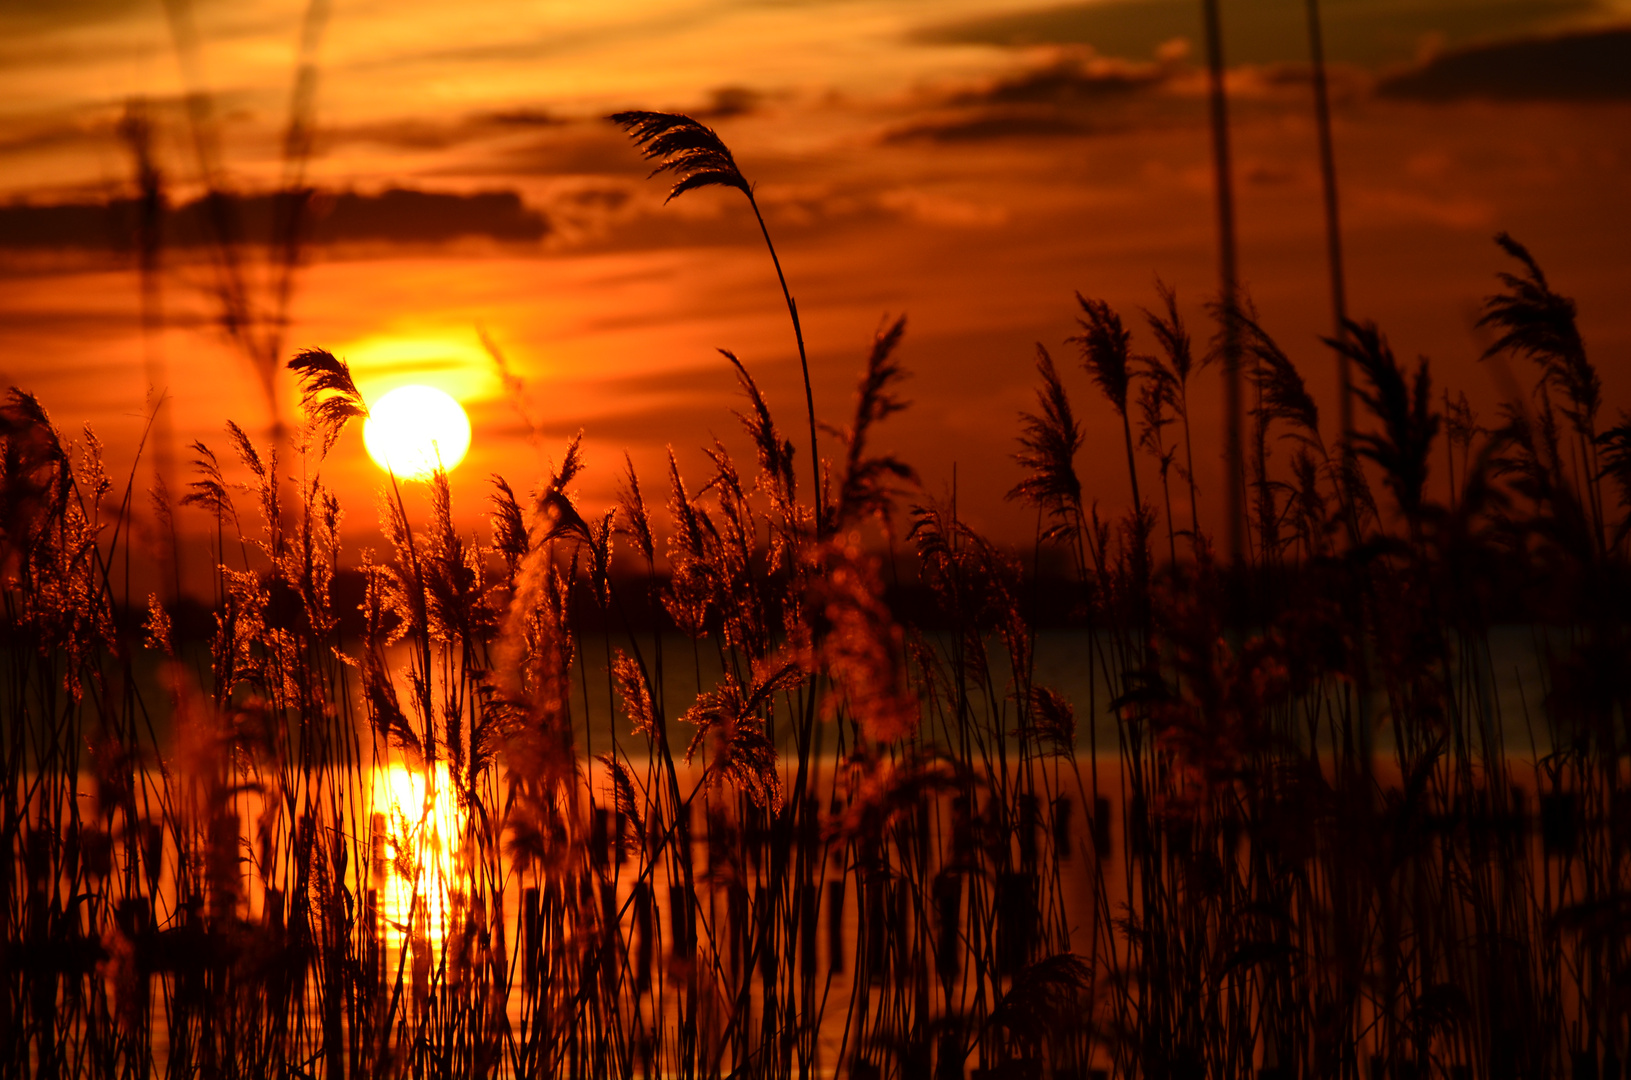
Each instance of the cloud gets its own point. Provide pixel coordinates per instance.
(536, 143)
(985, 126)
(32, 138)
(410, 216)
(1059, 92)
(1067, 77)
(728, 101)
(584, 149)
(82, 321)
(1587, 66)
(1113, 27)
(397, 215)
(1397, 205)
(31, 14)
(1369, 32)
(932, 209)
(412, 133)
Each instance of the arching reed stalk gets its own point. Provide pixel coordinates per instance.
(699, 158)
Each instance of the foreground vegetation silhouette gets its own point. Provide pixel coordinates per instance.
(1285, 823)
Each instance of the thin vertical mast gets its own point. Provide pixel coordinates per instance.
(1333, 221)
(1227, 286)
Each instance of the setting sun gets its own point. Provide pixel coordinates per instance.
(412, 429)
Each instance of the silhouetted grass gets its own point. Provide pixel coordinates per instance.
(1284, 833)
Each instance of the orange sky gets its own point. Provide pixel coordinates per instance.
(968, 164)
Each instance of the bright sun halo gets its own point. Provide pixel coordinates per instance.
(413, 428)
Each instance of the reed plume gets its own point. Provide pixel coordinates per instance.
(210, 492)
(735, 717)
(632, 511)
(692, 152)
(1107, 357)
(1173, 337)
(1404, 408)
(1049, 443)
(871, 483)
(510, 537)
(328, 395)
(854, 640)
(701, 159)
(1536, 322)
(635, 692)
(1157, 404)
(1282, 394)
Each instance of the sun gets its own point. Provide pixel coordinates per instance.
(412, 429)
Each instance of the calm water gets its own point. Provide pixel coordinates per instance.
(1506, 683)
(417, 866)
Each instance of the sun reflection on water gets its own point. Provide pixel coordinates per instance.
(417, 873)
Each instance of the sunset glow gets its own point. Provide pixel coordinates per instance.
(1124, 504)
(970, 164)
(413, 430)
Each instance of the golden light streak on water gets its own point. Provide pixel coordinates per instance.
(417, 870)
